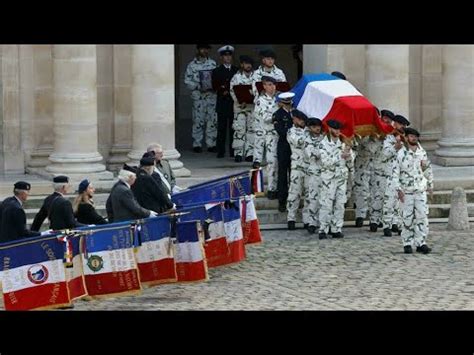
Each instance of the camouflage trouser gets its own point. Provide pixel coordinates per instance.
(204, 114)
(391, 205)
(349, 187)
(266, 142)
(377, 184)
(298, 190)
(361, 186)
(314, 187)
(414, 215)
(244, 133)
(332, 199)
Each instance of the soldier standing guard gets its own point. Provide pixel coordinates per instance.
(412, 177)
(198, 79)
(221, 77)
(244, 123)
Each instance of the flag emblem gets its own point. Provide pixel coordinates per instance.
(95, 263)
(38, 274)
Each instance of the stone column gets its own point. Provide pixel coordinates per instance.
(75, 114)
(153, 102)
(456, 146)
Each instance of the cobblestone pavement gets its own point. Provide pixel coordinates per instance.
(296, 271)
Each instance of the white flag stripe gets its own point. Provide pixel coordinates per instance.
(110, 261)
(233, 230)
(188, 252)
(17, 278)
(155, 250)
(75, 270)
(208, 206)
(319, 96)
(251, 212)
(216, 229)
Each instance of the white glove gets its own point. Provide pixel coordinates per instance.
(46, 232)
(176, 189)
(91, 225)
(153, 214)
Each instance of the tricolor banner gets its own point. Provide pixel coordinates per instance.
(216, 246)
(190, 257)
(33, 275)
(257, 181)
(155, 255)
(109, 262)
(250, 224)
(233, 232)
(74, 273)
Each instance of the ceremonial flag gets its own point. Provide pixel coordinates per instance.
(233, 232)
(250, 224)
(216, 246)
(73, 262)
(190, 257)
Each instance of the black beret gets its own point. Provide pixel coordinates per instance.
(313, 121)
(268, 78)
(22, 185)
(147, 161)
(246, 59)
(298, 114)
(127, 167)
(339, 75)
(334, 124)
(61, 178)
(387, 113)
(265, 53)
(413, 131)
(208, 46)
(83, 185)
(401, 119)
(150, 154)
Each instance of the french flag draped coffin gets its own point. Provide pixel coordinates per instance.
(190, 258)
(73, 260)
(250, 224)
(216, 246)
(328, 97)
(155, 256)
(233, 232)
(109, 262)
(33, 274)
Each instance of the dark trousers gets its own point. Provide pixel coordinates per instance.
(284, 167)
(224, 127)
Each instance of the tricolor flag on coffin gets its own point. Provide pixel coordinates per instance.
(190, 258)
(109, 262)
(33, 275)
(250, 224)
(233, 232)
(328, 97)
(155, 256)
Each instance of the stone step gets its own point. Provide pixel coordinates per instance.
(37, 201)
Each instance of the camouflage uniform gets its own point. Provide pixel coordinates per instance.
(275, 73)
(361, 177)
(204, 103)
(299, 181)
(378, 179)
(413, 179)
(334, 174)
(244, 124)
(391, 205)
(266, 138)
(313, 171)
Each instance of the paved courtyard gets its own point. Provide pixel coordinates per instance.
(296, 271)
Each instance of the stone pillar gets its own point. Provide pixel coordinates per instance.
(153, 102)
(11, 154)
(456, 146)
(75, 114)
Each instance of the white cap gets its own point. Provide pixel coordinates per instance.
(286, 95)
(225, 49)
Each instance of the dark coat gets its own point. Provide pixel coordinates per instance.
(13, 221)
(221, 77)
(59, 211)
(122, 204)
(87, 214)
(149, 194)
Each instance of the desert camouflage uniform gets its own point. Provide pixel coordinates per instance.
(391, 205)
(413, 179)
(334, 174)
(275, 73)
(266, 138)
(378, 180)
(313, 158)
(360, 188)
(204, 103)
(244, 124)
(299, 181)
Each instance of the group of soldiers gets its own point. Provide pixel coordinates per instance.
(140, 192)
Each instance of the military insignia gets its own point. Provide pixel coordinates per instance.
(37, 274)
(95, 263)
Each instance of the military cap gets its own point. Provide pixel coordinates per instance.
(413, 131)
(334, 124)
(387, 113)
(298, 114)
(267, 53)
(61, 178)
(286, 97)
(127, 167)
(401, 119)
(246, 59)
(147, 161)
(313, 121)
(339, 75)
(83, 185)
(225, 50)
(208, 46)
(22, 185)
(269, 78)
